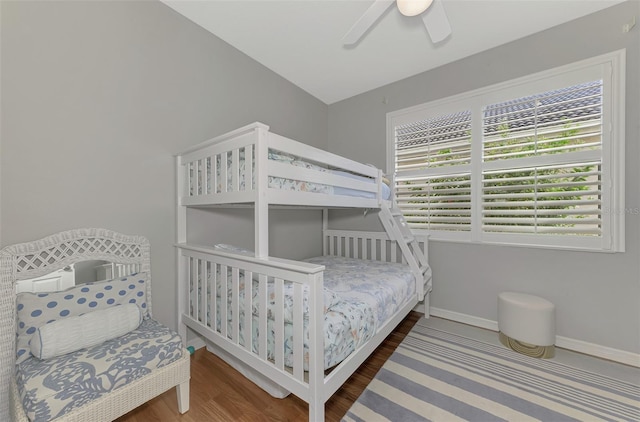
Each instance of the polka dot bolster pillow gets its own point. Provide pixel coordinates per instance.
(37, 309)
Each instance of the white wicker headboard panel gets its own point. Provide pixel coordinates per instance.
(33, 259)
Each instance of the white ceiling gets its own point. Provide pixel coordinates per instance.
(301, 39)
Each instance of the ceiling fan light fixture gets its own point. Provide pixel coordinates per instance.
(413, 7)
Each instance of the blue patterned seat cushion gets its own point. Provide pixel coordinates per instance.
(50, 388)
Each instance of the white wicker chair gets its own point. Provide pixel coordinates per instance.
(34, 259)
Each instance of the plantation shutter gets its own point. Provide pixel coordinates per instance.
(433, 172)
(536, 161)
(542, 161)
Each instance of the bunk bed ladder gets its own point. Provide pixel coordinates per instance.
(397, 228)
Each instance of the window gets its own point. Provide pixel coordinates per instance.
(537, 161)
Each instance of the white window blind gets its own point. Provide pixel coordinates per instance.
(544, 153)
(424, 151)
(538, 161)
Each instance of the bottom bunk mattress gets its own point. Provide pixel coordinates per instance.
(359, 297)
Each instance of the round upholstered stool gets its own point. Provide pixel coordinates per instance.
(527, 324)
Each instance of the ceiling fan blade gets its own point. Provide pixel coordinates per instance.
(436, 21)
(365, 22)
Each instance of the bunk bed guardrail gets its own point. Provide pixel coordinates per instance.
(208, 270)
(238, 167)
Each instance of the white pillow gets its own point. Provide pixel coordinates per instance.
(74, 333)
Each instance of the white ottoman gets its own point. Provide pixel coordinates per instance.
(527, 324)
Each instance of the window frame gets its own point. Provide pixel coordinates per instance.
(611, 69)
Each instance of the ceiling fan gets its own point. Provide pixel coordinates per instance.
(433, 15)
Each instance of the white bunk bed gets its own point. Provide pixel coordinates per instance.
(285, 330)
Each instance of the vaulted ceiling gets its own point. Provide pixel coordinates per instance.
(301, 40)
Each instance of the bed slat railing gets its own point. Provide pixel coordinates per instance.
(376, 246)
(218, 169)
(309, 153)
(365, 245)
(228, 294)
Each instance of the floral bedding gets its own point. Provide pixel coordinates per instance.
(53, 387)
(359, 296)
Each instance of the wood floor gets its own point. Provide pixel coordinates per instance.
(219, 393)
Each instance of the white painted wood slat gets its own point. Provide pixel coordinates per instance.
(298, 336)
(248, 310)
(279, 323)
(262, 340)
(235, 305)
(224, 294)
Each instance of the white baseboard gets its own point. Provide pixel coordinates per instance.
(622, 356)
(465, 319)
(196, 342)
(604, 352)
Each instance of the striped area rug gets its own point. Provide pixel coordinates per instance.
(437, 376)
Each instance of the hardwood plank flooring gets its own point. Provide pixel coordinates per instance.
(220, 393)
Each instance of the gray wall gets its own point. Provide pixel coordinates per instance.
(293, 234)
(597, 295)
(96, 99)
